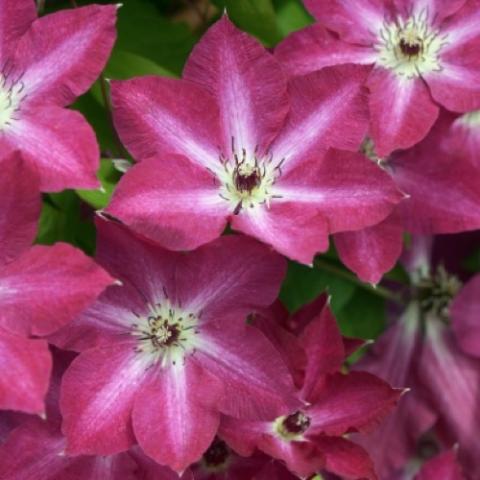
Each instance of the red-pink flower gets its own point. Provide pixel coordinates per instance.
(41, 289)
(45, 64)
(442, 467)
(169, 350)
(424, 54)
(233, 141)
(311, 437)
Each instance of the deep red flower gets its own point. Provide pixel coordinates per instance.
(41, 289)
(424, 54)
(166, 352)
(45, 64)
(232, 141)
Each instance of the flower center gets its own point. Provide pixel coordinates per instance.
(217, 457)
(248, 180)
(10, 99)
(293, 426)
(167, 334)
(410, 47)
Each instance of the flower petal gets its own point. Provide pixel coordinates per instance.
(164, 116)
(257, 382)
(358, 401)
(26, 366)
(357, 21)
(97, 397)
(373, 251)
(178, 430)
(443, 466)
(59, 144)
(436, 10)
(465, 314)
(329, 109)
(314, 48)
(172, 201)
(15, 18)
(247, 82)
(47, 287)
(20, 200)
(402, 111)
(63, 53)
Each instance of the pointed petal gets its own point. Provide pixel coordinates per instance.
(26, 366)
(233, 276)
(257, 382)
(172, 201)
(15, 18)
(345, 458)
(63, 53)
(443, 466)
(20, 212)
(59, 144)
(97, 397)
(349, 190)
(437, 10)
(358, 401)
(278, 226)
(357, 21)
(441, 361)
(47, 287)
(373, 251)
(328, 109)
(164, 116)
(314, 48)
(402, 111)
(183, 424)
(465, 314)
(248, 84)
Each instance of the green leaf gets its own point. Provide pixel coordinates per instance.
(291, 16)
(303, 284)
(108, 177)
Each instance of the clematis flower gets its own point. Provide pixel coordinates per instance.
(45, 64)
(421, 351)
(442, 185)
(311, 437)
(233, 142)
(169, 350)
(41, 289)
(423, 54)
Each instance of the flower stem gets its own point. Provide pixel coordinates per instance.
(378, 290)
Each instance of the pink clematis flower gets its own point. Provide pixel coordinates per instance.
(41, 289)
(45, 64)
(232, 141)
(169, 350)
(311, 438)
(424, 54)
(442, 184)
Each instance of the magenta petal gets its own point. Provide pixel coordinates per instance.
(47, 287)
(62, 54)
(329, 109)
(20, 200)
(26, 366)
(175, 416)
(358, 401)
(465, 314)
(356, 21)
(345, 458)
(164, 116)
(257, 382)
(15, 18)
(402, 111)
(443, 466)
(97, 397)
(59, 144)
(172, 201)
(314, 48)
(438, 10)
(373, 251)
(247, 83)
